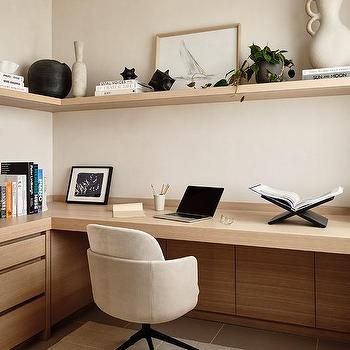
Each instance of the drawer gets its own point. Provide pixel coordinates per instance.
(19, 252)
(21, 284)
(22, 323)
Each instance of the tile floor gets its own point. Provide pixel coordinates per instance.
(214, 333)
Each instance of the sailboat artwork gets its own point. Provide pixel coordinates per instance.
(205, 55)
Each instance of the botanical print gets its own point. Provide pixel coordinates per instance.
(89, 185)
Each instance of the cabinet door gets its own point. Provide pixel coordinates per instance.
(275, 285)
(333, 292)
(216, 273)
(70, 278)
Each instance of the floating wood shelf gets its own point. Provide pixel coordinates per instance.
(251, 92)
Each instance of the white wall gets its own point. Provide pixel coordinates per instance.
(299, 144)
(26, 36)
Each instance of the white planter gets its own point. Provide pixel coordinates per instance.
(330, 45)
(79, 71)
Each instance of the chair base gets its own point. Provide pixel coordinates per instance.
(146, 332)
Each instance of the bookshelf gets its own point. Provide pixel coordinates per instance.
(251, 92)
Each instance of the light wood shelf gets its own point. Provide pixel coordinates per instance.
(251, 92)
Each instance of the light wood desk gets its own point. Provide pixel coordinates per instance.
(289, 277)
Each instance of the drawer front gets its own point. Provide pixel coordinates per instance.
(22, 284)
(22, 323)
(19, 252)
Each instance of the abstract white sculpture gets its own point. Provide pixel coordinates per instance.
(79, 71)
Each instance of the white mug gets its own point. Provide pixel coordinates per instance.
(159, 202)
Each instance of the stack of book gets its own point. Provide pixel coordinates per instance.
(22, 189)
(117, 87)
(12, 82)
(326, 73)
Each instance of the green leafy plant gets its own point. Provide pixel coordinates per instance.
(259, 55)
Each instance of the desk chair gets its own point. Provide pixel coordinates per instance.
(132, 281)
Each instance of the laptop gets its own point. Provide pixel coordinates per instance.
(198, 203)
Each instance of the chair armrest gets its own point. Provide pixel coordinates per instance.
(174, 288)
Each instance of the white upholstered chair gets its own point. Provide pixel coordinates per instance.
(132, 281)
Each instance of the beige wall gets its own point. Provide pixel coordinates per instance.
(298, 144)
(25, 36)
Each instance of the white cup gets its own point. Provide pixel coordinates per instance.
(159, 202)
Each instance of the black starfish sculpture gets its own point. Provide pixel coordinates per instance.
(161, 81)
(128, 74)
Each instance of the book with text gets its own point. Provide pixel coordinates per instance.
(292, 199)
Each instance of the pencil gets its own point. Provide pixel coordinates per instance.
(154, 192)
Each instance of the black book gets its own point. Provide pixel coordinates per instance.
(22, 168)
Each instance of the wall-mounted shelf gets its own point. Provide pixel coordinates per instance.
(251, 92)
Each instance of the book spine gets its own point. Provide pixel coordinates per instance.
(40, 190)
(11, 82)
(14, 199)
(127, 85)
(3, 202)
(8, 185)
(13, 77)
(15, 88)
(326, 76)
(45, 182)
(30, 189)
(36, 188)
(326, 70)
(118, 92)
(24, 195)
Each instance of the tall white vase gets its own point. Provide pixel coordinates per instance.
(79, 71)
(330, 45)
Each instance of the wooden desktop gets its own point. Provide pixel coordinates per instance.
(290, 277)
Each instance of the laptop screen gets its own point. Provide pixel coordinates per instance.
(200, 200)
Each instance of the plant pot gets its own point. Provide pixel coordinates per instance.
(50, 78)
(265, 68)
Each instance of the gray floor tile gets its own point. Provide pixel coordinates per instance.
(254, 339)
(330, 345)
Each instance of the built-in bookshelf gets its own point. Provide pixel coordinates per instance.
(251, 92)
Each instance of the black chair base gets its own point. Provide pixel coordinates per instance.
(146, 332)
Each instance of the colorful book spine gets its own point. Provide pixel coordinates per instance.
(36, 188)
(40, 190)
(3, 201)
(8, 185)
(14, 199)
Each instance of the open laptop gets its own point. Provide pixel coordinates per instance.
(198, 203)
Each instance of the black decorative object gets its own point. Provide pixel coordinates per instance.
(128, 74)
(89, 184)
(50, 78)
(161, 81)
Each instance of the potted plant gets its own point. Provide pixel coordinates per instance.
(268, 65)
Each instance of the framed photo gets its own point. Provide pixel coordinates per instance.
(203, 55)
(89, 184)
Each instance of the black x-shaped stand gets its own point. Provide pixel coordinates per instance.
(305, 213)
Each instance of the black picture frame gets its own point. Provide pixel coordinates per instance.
(106, 184)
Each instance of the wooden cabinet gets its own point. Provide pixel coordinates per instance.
(216, 270)
(333, 292)
(70, 278)
(275, 285)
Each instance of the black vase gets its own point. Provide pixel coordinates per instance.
(50, 78)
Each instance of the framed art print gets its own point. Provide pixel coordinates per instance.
(89, 184)
(203, 55)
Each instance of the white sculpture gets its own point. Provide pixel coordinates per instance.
(79, 71)
(330, 45)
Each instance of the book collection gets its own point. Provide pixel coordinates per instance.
(22, 189)
(12, 82)
(326, 73)
(117, 87)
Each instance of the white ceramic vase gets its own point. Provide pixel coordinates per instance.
(330, 45)
(79, 71)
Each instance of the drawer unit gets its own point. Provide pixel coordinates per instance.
(21, 284)
(19, 252)
(22, 323)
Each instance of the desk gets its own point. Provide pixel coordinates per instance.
(288, 277)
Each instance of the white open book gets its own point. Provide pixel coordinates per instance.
(292, 199)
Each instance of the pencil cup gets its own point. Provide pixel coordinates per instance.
(159, 202)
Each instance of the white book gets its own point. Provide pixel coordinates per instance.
(11, 82)
(15, 88)
(13, 77)
(292, 199)
(333, 75)
(21, 192)
(122, 84)
(14, 199)
(119, 92)
(128, 210)
(326, 70)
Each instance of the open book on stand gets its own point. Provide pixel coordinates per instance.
(295, 205)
